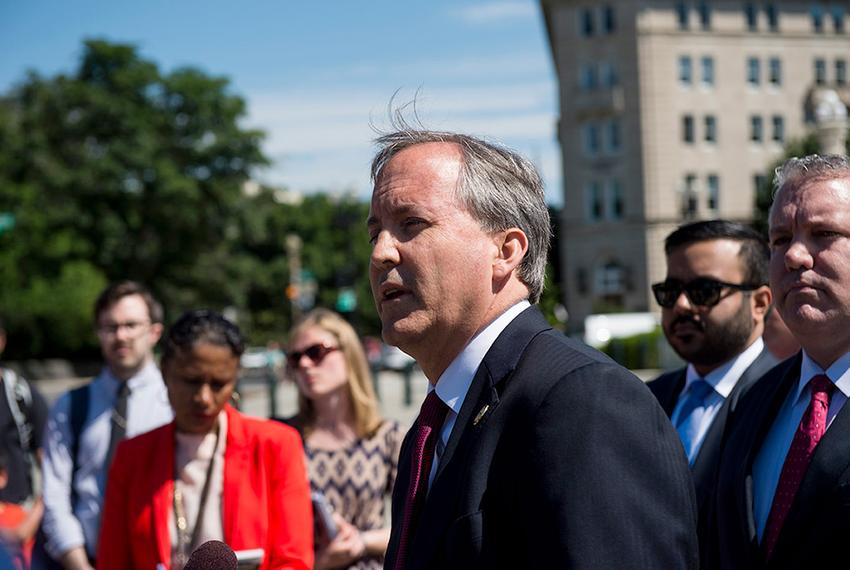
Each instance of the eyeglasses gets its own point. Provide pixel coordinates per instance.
(315, 352)
(132, 327)
(702, 291)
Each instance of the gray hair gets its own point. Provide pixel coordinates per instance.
(499, 188)
(809, 168)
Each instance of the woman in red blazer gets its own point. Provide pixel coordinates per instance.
(248, 488)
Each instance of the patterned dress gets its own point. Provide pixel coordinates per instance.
(357, 479)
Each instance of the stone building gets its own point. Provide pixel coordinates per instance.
(673, 111)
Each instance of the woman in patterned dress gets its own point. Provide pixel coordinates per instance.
(352, 453)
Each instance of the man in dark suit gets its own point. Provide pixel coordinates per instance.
(531, 450)
(713, 306)
(783, 485)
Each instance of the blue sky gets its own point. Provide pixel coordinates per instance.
(317, 74)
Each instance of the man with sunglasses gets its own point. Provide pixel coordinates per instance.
(85, 425)
(713, 306)
(783, 486)
(530, 450)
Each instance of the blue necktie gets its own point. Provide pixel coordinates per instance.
(690, 415)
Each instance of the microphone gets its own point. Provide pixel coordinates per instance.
(212, 555)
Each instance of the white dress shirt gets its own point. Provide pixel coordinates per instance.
(455, 381)
(69, 526)
(723, 380)
(770, 459)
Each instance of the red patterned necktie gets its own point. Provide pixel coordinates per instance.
(806, 438)
(428, 425)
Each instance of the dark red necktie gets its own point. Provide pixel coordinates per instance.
(428, 427)
(806, 438)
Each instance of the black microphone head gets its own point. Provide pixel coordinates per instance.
(212, 555)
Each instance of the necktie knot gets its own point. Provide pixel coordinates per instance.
(433, 411)
(822, 387)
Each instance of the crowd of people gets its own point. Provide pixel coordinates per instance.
(530, 450)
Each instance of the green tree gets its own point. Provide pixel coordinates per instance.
(118, 171)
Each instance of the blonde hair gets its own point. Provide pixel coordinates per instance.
(364, 403)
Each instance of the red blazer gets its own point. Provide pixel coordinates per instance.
(265, 498)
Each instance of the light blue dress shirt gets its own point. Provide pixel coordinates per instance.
(767, 466)
(68, 527)
(723, 380)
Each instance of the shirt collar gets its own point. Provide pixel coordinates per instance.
(148, 373)
(838, 372)
(454, 382)
(724, 377)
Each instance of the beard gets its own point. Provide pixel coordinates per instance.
(721, 341)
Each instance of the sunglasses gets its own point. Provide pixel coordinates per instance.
(702, 291)
(315, 352)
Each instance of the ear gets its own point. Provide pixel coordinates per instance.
(512, 246)
(760, 301)
(155, 332)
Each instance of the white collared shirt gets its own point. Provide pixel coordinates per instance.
(68, 526)
(770, 459)
(455, 381)
(723, 380)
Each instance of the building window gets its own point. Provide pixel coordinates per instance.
(710, 129)
(590, 136)
(607, 75)
(595, 202)
(772, 17)
(609, 24)
(615, 200)
(841, 72)
(682, 15)
(756, 129)
(751, 15)
(759, 182)
(613, 142)
(587, 77)
(610, 280)
(685, 72)
(707, 70)
(817, 18)
(587, 22)
(690, 204)
(838, 19)
(753, 71)
(820, 71)
(775, 71)
(778, 128)
(688, 128)
(705, 15)
(712, 199)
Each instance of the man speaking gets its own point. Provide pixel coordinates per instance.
(530, 450)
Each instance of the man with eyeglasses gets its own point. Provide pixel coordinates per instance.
(85, 425)
(713, 306)
(783, 486)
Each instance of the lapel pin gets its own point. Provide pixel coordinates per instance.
(480, 415)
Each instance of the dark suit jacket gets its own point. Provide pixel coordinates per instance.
(573, 465)
(819, 521)
(667, 389)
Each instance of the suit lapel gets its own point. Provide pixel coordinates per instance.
(706, 463)
(162, 479)
(671, 397)
(763, 417)
(481, 402)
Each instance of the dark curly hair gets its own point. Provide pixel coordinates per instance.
(201, 325)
